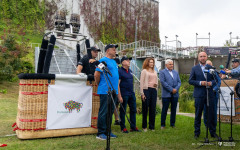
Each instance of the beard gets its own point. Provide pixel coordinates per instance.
(203, 61)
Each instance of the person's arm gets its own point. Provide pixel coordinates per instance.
(235, 71)
(192, 79)
(79, 69)
(97, 77)
(142, 77)
(178, 83)
(92, 60)
(119, 93)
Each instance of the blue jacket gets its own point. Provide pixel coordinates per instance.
(168, 83)
(196, 76)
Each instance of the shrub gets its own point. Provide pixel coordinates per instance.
(12, 55)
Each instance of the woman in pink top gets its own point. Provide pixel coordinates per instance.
(148, 89)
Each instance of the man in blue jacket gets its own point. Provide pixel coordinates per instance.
(171, 83)
(198, 80)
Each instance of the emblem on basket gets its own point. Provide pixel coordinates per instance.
(71, 105)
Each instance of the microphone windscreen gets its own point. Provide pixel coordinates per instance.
(97, 63)
(104, 63)
(222, 72)
(221, 67)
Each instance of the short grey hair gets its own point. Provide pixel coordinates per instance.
(168, 61)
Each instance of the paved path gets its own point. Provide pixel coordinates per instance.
(186, 114)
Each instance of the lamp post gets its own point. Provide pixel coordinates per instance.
(196, 39)
(209, 38)
(166, 46)
(176, 46)
(172, 41)
(230, 37)
(203, 38)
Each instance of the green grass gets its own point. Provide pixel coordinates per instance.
(180, 137)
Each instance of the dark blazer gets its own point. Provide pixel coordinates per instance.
(168, 83)
(196, 76)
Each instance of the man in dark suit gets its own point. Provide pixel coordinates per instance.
(171, 83)
(198, 79)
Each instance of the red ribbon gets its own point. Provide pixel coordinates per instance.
(94, 117)
(95, 94)
(93, 127)
(32, 120)
(34, 93)
(17, 128)
(33, 84)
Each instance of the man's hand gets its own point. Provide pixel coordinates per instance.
(209, 83)
(227, 71)
(174, 91)
(223, 76)
(203, 83)
(120, 99)
(92, 60)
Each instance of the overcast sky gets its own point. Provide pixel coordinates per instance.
(188, 17)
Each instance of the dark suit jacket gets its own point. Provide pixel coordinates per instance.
(196, 76)
(168, 83)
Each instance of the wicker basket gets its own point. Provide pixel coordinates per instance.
(32, 111)
(236, 118)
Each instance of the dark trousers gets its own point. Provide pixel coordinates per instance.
(165, 105)
(131, 101)
(199, 105)
(150, 102)
(102, 114)
(214, 114)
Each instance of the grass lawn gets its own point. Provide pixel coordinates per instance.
(180, 137)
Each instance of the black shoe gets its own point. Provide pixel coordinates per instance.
(214, 136)
(117, 122)
(196, 136)
(135, 130)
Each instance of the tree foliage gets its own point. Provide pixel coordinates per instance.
(228, 43)
(13, 54)
(113, 21)
(26, 14)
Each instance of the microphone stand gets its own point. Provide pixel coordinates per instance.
(109, 108)
(230, 139)
(219, 118)
(120, 105)
(206, 141)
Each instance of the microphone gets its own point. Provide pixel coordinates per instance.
(106, 68)
(221, 67)
(103, 66)
(222, 72)
(211, 71)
